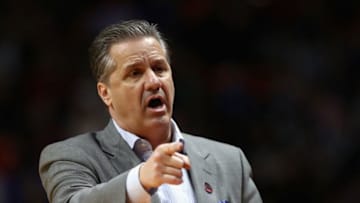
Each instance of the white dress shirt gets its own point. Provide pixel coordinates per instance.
(167, 193)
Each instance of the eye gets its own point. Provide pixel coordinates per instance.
(159, 69)
(135, 73)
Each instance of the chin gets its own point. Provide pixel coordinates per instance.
(158, 127)
(161, 122)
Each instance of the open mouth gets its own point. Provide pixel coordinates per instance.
(155, 103)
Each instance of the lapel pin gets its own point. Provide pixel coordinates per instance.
(208, 188)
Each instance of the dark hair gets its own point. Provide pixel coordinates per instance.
(101, 63)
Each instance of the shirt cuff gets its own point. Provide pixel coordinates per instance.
(135, 191)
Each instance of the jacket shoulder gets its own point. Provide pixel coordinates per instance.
(71, 149)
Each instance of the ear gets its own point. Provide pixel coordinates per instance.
(104, 93)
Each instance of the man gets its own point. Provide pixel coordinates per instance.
(130, 62)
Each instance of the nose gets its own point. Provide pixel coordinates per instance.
(152, 81)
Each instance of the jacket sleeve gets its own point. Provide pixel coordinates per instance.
(250, 192)
(68, 177)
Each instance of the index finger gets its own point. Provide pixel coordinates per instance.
(171, 148)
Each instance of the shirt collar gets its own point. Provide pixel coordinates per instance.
(131, 138)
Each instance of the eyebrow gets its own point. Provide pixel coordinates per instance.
(156, 61)
(133, 63)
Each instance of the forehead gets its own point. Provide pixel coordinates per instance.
(138, 49)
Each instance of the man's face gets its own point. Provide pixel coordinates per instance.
(140, 91)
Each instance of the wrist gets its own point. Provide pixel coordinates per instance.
(150, 190)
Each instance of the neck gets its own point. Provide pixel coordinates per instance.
(159, 137)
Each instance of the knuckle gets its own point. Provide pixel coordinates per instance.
(157, 166)
(157, 176)
(156, 156)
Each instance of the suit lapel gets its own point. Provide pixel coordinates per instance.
(120, 154)
(118, 151)
(202, 174)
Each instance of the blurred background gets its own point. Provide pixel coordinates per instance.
(277, 78)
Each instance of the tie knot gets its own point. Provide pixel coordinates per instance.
(142, 149)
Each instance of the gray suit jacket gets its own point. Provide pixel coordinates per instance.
(93, 167)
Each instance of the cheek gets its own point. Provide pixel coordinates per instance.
(126, 99)
(171, 90)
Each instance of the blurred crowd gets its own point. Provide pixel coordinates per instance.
(277, 78)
